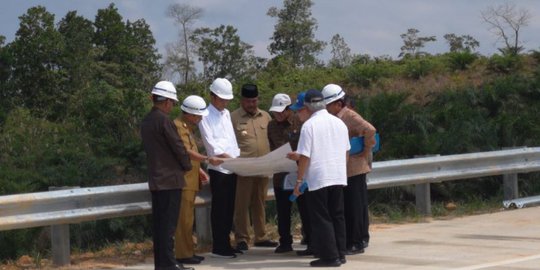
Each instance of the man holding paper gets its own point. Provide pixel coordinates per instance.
(323, 149)
(358, 165)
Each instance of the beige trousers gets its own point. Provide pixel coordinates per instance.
(250, 198)
(183, 237)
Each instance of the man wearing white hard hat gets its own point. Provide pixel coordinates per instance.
(220, 141)
(358, 165)
(193, 110)
(168, 160)
(285, 128)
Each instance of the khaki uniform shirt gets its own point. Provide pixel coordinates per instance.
(251, 132)
(358, 164)
(185, 131)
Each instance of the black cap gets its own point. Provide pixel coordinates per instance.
(250, 90)
(313, 95)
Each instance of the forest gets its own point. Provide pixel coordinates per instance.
(73, 93)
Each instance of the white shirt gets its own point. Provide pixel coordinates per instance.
(218, 135)
(324, 138)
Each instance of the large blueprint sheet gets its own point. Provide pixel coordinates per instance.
(273, 162)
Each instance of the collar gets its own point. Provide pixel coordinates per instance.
(246, 114)
(343, 111)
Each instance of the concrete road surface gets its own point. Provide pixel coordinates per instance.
(508, 240)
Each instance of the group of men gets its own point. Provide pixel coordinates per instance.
(318, 126)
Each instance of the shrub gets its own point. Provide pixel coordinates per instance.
(460, 60)
(505, 64)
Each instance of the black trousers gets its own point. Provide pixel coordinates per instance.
(283, 206)
(356, 210)
(165, 209)
(223, 188)
(326, 213)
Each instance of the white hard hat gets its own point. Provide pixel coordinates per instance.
(280, 102)
(194, 105)
(332, 92)
(222, 88)
(165, 89)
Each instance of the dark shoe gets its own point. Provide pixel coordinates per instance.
(283, 249)
(355, 250)
(365, 244)
(305, 252)
(181, 267)
(236, 251)
(266, 243)
(242, 245)
(343, 260)
(325, 263)
(191, 260)
(223, 255)
(200, 258)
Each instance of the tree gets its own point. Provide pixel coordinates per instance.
(36, 71)
(222, 52)
(77, 58)
(179, 56)
(463, 43)
(341, 53)
(126, 53)
(294, 33)
(141, 67)
(413, 43)
(505, 22)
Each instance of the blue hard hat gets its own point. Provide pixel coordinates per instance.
(299, 102)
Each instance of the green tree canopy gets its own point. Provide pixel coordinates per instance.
(35, 68)
(294, 33)
(222, 52)
(412, 43)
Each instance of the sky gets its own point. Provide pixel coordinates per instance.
(368, 26)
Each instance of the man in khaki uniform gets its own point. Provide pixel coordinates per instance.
(193, 109)
(250, 126)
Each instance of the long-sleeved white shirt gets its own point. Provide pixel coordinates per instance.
(218, 135)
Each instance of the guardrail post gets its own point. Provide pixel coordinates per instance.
(60, 246)
(202, 225)
(423, 199)
(510, 183)
(202, 218)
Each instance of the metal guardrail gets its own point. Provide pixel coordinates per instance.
(522, 202)
(86, 204)
(453, 167)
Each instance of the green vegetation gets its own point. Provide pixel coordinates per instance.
(73, 94)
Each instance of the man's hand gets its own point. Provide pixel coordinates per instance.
(293, 156)
(296, 190)
(215, 161)
(224, 155)
(203, 177)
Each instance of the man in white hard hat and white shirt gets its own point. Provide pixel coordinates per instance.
(168, 160)
(220, 141)
(193, 110)
(358, 165)
(323, 148)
